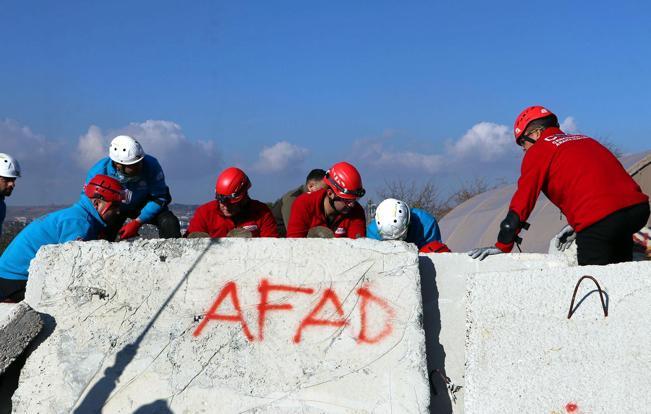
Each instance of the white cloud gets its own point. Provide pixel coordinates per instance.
(485, 141)
(569, 125)
(179, 156)
(279, 157)
(22, 143)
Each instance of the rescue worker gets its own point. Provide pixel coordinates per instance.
(603, 205)
(394, 220)
(283, 207)
(9, 171)
(233, 212)
(99, 201)
(334, 207)
(143, 176)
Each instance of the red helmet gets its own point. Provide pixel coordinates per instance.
(108, 189)
(232, 185)
(344, 179)
(530, 114)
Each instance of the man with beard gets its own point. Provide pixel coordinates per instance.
(334, 207)
(9, 171)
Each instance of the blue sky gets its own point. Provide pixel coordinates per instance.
(410, 90)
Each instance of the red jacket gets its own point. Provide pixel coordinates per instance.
(579, 175)
(307, 212)
(255, 217)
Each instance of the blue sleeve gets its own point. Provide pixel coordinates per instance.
(372, 232)
(159, 194)
(430, 228)
(70, 230)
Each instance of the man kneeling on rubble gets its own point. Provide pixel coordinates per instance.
(233, 213)
(394, 220)
(84, 220)
(603, 205)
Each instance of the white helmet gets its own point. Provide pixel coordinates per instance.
(392, 218)
(126, 150)
(9, 167)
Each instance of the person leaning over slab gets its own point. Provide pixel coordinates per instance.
(84, 220)
(233, 212)
(9, 171)
(334, 207)
(283, 206)
(143, 176)
(394, 220)
(603, 205)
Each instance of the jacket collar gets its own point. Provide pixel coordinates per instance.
(551, 131)
(87, 205)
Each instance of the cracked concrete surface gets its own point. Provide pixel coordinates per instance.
(126, 316)
(524, 355)
(19, 324)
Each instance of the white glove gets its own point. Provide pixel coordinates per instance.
(482, 252)
(564, 238)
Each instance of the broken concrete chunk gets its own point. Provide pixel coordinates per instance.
(227, 325)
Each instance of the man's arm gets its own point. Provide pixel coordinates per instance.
(268, 225)
(159, 193)
(197, 223)
(357, 223)
(75, 229)
(535, 166)
(299, 220)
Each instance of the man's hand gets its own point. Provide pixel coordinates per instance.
(564, 238)
(482, 252)
(130, 229)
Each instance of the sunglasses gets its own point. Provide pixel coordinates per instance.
(359, 193)
(229, 199)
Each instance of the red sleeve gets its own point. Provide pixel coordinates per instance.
(357, 224)
(268, 226)
(435, 247)
(533, 176)
(299, 219)
(197, 222)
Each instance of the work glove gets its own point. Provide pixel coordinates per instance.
(482, 252)
(130, 229)
(565, 238)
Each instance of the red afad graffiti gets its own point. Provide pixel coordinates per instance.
(328, 299)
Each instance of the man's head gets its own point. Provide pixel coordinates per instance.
(344, 187)
(232, 191)
(314, 181)
(9, 171)
(106, 193)
(392, 218)
(531, 123)
(127, 155)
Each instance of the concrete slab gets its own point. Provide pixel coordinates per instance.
(19, 324)
(443, 282)
(524, 355)
(230, 326)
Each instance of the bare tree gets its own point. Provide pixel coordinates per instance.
(469, 189)
(425, 196)
(428, 196)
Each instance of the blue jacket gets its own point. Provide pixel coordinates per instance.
(3, 212)
(79, 222)
(423, 229)
(150, 194)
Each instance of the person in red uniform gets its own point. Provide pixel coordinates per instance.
(603, 205)
(233, 209)
(334, 207)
